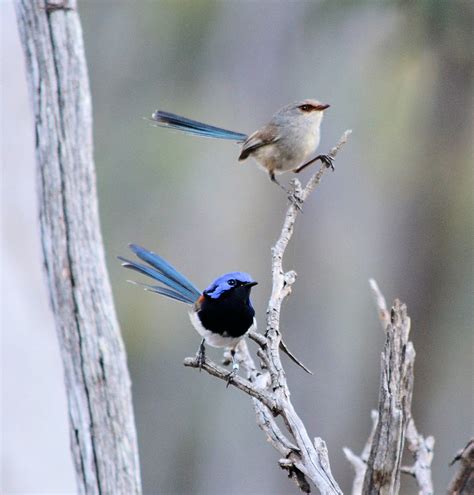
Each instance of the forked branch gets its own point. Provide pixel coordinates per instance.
(304, 460)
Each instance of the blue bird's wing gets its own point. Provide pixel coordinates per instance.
(177, 285)
(173, 121)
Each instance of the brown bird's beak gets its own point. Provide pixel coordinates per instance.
(322, 106)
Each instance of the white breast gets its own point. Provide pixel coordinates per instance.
(214, 339)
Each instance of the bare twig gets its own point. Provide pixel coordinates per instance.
(359, 467)
(262, 341)
(304, 460)
(316, 178)
(384, 314)
(374, 415)
(284, 348)
(359, 463)
(422, 452)
(463, 481)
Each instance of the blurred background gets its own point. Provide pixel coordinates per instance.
(398, 208)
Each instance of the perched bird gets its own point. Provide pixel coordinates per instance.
(222, 314)
(284, 144)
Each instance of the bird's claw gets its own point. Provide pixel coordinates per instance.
(295, 200)
(328, 160)
(235, 368)
(200, 361)
(230, 377)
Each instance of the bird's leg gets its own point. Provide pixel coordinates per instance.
(201, 355)
(328, 160)
(235, 368)
(294, 199)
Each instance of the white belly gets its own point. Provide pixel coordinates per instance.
(214, 339)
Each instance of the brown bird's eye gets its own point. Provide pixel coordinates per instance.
(306, 108)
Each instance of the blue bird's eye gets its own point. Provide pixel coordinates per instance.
(232, 282)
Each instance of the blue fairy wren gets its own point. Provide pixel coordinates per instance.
(284, 144)
(222, 314)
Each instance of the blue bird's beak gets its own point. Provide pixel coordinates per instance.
(250, 284)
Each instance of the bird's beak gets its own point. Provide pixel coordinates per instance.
(322, 106)
(250, 284)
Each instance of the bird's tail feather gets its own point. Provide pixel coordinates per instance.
(161, 290)
(173, 121)
(177, 285)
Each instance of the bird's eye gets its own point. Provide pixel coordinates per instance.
(306, 108)
(232, 282)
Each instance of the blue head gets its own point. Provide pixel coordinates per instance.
(238, 283)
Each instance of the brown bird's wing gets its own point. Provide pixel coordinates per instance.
(263, 137)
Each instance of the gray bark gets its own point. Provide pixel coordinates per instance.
(396, 389)
(102, 430)
(463, 481)
(377, 469)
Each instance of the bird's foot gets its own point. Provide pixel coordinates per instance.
(201, 355)
(235, 368)
(230, 377)
(295, 200)
(201, 359)
(328, 160)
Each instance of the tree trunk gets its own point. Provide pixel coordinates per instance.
(102, 430)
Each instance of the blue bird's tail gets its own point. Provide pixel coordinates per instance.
(173, 121)
(177, 286)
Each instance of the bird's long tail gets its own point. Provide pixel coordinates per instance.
(173, 121)
(177, 285)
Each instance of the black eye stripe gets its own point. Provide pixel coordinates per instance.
(232, 282)
(306, 108)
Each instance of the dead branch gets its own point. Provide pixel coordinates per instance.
(463, 481)
(303, 460)
(421, 448)
(359, 463)
(396, 388)
(379, 466)
(102, 430)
